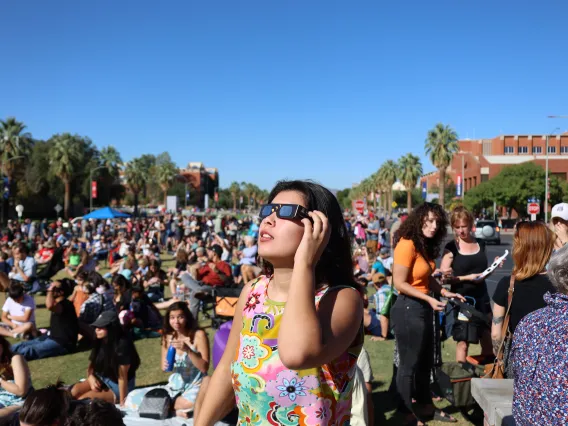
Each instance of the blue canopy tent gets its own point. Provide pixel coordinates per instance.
(105, 213)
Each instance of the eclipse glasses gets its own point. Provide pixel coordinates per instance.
(284, 211)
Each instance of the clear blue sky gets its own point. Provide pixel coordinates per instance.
(265, 90)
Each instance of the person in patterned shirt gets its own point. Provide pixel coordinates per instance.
(539, 355)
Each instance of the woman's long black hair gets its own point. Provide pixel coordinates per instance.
(411, 229)
(335, 266)
(104, 356)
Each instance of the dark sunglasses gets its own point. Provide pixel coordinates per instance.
(284, 211)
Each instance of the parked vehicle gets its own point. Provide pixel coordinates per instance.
(488, 230)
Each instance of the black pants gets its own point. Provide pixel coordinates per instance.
(412, 322)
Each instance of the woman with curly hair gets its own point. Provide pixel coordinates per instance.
(418, 246)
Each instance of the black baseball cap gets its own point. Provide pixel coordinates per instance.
(105, 319)
(217, 249)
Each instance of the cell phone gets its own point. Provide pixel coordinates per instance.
(99, 378)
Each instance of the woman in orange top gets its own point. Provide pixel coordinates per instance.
(412, 315)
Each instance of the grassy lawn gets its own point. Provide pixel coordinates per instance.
(73, 367)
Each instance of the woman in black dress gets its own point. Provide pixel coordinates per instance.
(465, 256)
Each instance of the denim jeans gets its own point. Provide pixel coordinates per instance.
(412, 322)
(195, 287)
(41, 347)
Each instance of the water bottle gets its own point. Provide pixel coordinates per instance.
(179, 292)
(171, 359)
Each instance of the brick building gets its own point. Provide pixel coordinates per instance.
(202, 180)
(482, 159)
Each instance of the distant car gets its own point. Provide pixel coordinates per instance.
(488, 230)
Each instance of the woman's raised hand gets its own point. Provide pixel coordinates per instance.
(314, 241)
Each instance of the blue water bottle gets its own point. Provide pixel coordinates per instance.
(171, 359)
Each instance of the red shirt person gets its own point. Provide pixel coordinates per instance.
(214, 274)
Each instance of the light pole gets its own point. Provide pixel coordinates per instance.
(17, 157)
(91, 186)
(546, 169)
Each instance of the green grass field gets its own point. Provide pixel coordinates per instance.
(71, 368)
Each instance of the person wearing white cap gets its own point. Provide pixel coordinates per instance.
(559, 219)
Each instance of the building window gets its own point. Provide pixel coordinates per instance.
(564, 150)
(523, 150)
(552, 150)
(537, 150)
(509, 150)
(484, 178)
(474, 181)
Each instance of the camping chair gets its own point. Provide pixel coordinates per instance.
(225, 302)
(40, 282)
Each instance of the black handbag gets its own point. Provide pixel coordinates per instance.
(156, 404)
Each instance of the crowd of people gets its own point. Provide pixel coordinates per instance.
(296, 266)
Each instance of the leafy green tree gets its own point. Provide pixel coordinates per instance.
(441, 145)
(136, 173)
(235, 191)
(410, 169)
(388, 174)
(480, 197)
(401, 197)
(66, 158)
(166, 172)
(343, 196)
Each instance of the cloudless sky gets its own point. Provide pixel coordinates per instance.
(268, 89)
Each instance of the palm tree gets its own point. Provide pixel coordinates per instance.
(410, 169)
(166, 173)
(14, 142)
(377, 187)
(111, 160)
(235, 190)
(388, 175)
(65, 158)
(441, 144)
(136, 174)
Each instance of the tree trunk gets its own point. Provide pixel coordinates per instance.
(135, 203)
(442, 186)
(409, 200)
(165, 198)
(375, 201)
(234, 202)
(67, 199)
(390, 196)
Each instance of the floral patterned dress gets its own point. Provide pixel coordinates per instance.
(268, 393)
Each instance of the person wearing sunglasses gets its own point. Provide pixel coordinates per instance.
(297, 329)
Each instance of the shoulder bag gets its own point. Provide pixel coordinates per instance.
(497, 369)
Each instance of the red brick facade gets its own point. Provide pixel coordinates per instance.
(482, 159)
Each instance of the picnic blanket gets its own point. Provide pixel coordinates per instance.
(132, 418)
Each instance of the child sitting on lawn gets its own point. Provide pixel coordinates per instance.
(191, 360)
(18, 313)
(15, 379)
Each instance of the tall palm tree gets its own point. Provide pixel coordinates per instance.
(235, 190)
(441, 145)
(111, 160)
(166, 173)
(65, 158)
(388, 175)
(14, 142)
(136, 174)
(410, 169)
(375, 178)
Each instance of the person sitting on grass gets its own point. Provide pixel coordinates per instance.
(147, 316)
(63, 324)
(191, 361)
(370, 317)
(113, 362)
(95, 413)
(18, 313)
(100, 300)
(214, 274)
(122, 292)
(154, 281)
(78, 297)
(46, 407)
(15, 379)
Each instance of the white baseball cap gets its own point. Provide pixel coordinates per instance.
(561, 211)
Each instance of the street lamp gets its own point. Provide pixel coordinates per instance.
(546, 169)
(91, 186)
(17, 157)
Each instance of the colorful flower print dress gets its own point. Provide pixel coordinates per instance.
(267, 392)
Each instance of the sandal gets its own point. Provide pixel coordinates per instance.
(442, 416)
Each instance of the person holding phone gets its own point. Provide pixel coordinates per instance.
(298, 329)
(412, 314)
(113, 362)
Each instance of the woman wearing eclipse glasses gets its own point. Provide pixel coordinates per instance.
(292, 352)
